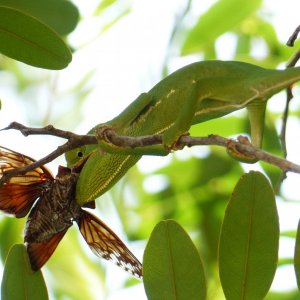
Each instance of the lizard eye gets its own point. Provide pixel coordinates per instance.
(79, 154)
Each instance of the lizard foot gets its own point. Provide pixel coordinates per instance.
(236, 153)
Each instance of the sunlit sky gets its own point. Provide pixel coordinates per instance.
(127, 60)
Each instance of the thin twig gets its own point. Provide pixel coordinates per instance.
(294, 59)
(293, 37)
(282, 135)
(75, 141)
(47, 130)
(289, 97)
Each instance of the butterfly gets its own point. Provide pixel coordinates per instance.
(52, 210)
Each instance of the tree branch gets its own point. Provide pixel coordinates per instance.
(75, 141)
(293, 37)
(289, 97)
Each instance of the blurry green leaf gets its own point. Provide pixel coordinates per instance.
(248, 250)
(262, 28)
(115, 20)
(256, 27)
(28, 40)
(222, 17)
(243, 46)
(19, 282)
(61, 15)
(288, 295)
(297, 256)
(172, 266)
(224, 126)
(11, 232)
(272, 145)
(78, 268)
(117, 11)
(285, 261)
(104, 4)
(197, 199)
(289, 233)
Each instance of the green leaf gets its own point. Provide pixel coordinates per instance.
(28, 40)
(172, 266)
(61, 15)
(114, 21)
(248, 250)
(19, 282)
(297, 256)
(103, 5)
(216, 21)
(11, 232)
(285, 295)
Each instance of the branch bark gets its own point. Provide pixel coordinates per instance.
(75, 141)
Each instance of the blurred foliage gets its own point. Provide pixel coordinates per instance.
(194, 190)
(61, 15)
(199, 38)
(26, 38)
(19, 281)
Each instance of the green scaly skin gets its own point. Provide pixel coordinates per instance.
(193, 94)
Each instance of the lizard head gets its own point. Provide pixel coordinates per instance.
(74, 156)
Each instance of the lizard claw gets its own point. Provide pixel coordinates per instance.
(234, 152)
(175, 145)
(104, 132)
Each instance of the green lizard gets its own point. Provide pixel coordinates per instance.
(193, 94)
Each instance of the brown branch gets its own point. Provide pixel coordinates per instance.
(285, 115)
(289, 97)
(293, 37)
(48, 130)
(75, 140)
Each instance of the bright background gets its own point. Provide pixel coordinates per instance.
(110, 68)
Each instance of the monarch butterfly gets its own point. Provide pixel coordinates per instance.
(52, 206)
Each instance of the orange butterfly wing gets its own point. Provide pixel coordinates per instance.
(18, 194)
(39, 253)
(106, 244)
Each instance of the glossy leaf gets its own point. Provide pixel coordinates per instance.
(216, 21)
(61, 15)
(297, 256)
(26, 39)
(248, 250)
(19, 282)
(172, 266)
